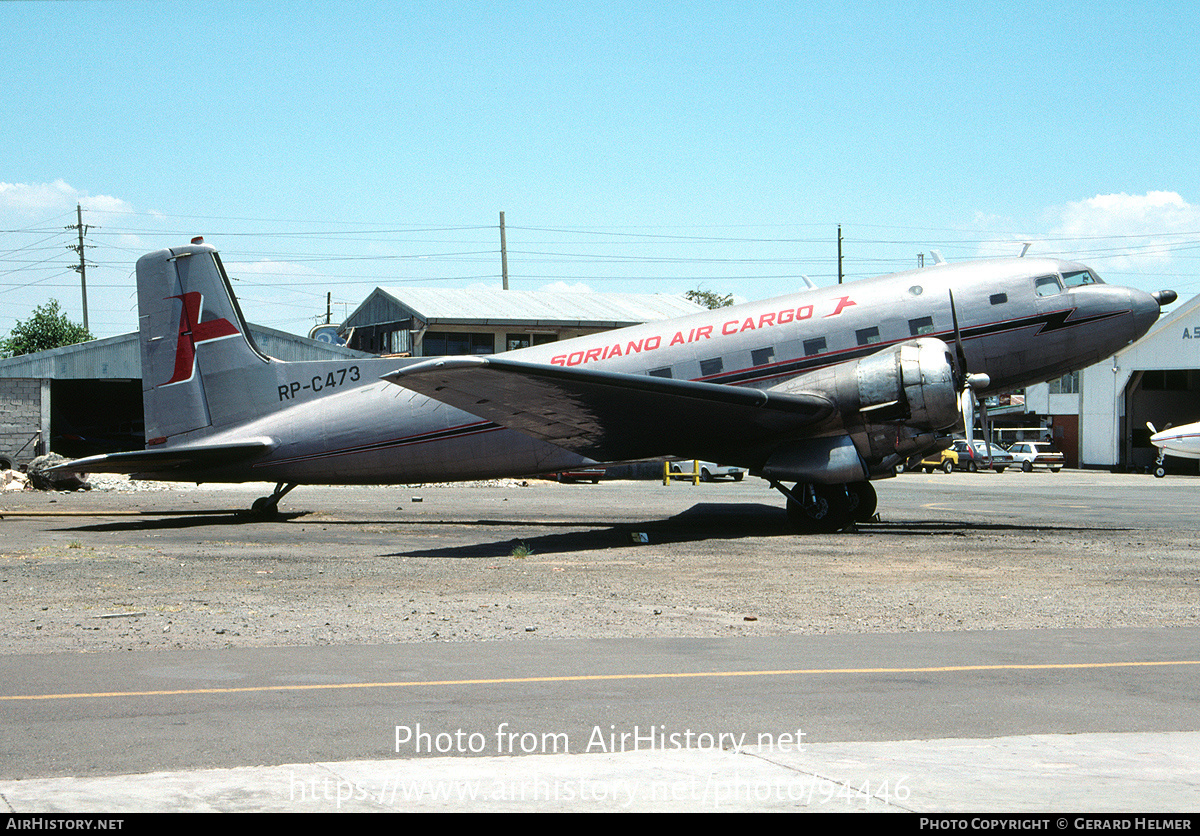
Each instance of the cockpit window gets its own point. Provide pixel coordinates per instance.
(1080, 277)
(1047, 285)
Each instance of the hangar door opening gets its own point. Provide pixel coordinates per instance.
(1165, 398)
(96, 416)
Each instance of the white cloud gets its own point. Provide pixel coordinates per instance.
(1118, 231)
(24, 202)
(1130, 231)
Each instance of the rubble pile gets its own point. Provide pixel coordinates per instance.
(14, 480)
(63, 480)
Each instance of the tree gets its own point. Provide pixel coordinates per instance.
(709, 299)
(48, 327)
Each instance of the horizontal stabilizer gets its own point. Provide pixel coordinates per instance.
(188, 458)
(611, 416)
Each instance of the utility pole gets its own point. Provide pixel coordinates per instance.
(328, 308)
(82, 268)
(503, 254)
(839, 253)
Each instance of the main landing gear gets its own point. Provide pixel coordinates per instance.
(822, 509)
(268, 506)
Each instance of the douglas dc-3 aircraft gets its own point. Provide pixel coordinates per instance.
(825, 389)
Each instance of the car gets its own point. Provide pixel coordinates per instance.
(943, 460)
(975, 455)
(709, 471)
(1031, 454)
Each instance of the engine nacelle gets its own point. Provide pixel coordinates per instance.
(891, 405)
(912, 382)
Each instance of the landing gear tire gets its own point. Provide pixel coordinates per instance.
(864, 501)
(1160, 472)
(820, 509)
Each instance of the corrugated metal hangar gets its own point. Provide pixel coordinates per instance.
(87, 398)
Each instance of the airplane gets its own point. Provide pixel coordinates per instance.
(1182, 441)
(827, 388)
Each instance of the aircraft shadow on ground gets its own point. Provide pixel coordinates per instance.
(703, 521)
(700, 522)
(166, 520)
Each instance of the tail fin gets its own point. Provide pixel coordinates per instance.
(198, 358)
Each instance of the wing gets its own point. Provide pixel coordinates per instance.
(610, 416)
(175, 460)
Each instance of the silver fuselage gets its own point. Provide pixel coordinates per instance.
(338, 422)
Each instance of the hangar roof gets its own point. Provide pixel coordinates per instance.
(527, 308)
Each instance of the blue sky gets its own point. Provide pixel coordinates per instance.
(650, 147)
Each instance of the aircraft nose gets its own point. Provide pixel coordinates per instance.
(1147, 307)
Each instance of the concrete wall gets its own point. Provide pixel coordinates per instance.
(24, 411)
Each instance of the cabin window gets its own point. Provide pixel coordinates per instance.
(998, 298)
(762, 356)
(710, 367)
(665, 371)
(1047, 285)
(868, 336)
(812, 347)
(918, 327)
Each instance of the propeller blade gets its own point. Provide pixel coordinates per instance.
(966, 406)
(987, 430)
(958, 346)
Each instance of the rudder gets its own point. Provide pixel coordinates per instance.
(196, 349)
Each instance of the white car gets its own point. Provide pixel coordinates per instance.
(1030, 454)
(710, 470)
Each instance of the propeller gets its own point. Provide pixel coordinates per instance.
(967, 402)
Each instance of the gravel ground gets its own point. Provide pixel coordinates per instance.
(143, 566)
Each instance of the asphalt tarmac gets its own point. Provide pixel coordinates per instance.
(1014, 642)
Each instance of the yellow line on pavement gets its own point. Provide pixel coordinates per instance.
(595, 678)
